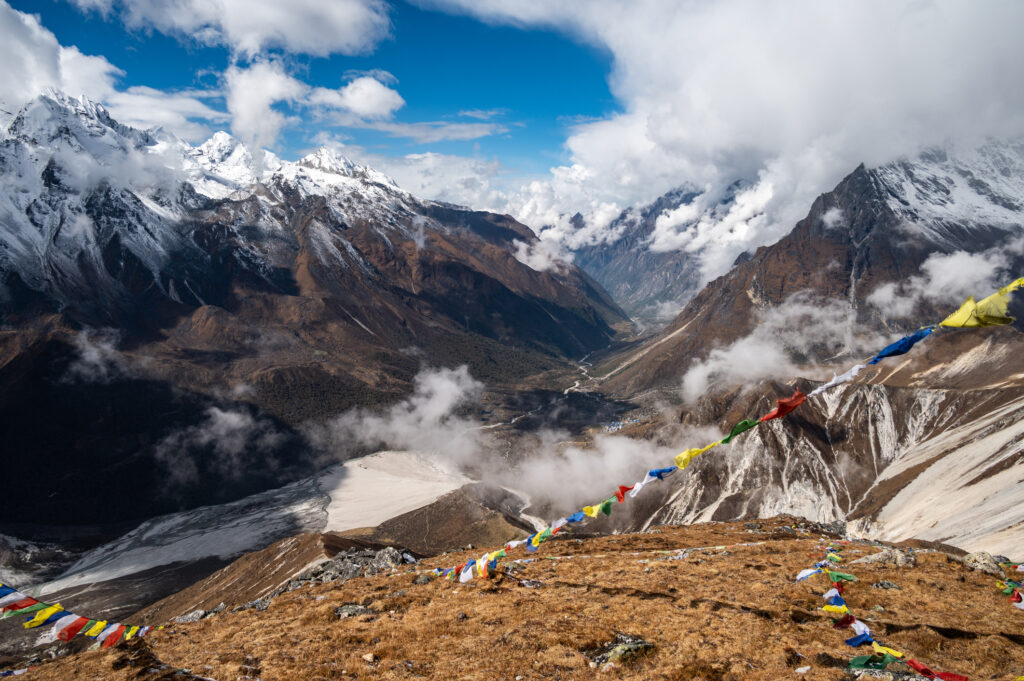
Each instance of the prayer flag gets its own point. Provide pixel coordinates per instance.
(683, 460)
(621, 494)
(575, 517)
(837, 609)
(606, 506)
(860, 627)
(18, 609)
(96, 629)
(66, 632)
(742, 426)
(5, 590)
(903, 345)
(991, 311)
(131, 632)
(834, 576)
(591, 511)
(846, 377)
(660, 473)
(859, 640)
(11, 599)
(882, 650)
(844, 621)
(876, 661)
(804, 574)
(640, 485)
(830, 593)
(115, 636)
(925, 671)
(43, 615)
(785, 406)
(836, 600)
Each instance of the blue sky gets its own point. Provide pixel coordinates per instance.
(535, 84)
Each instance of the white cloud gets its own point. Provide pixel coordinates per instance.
(250, 27)
(426, 421)
(365, 97)
(833, 217)
(790, 101)
(803, 326)
(251, 95)
(427, 132)
(483, 114)
(463, 180)
(34, 60)
(543, 254)
(948, 278)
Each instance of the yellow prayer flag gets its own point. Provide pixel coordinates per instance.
(131, 632)
(683, 460)
(42, 616)
(838, 609)
(95, 629)
(882, 650)
(591, 510)
(991, 311)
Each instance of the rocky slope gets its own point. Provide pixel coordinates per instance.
(934, 425)
(876, 228)
(177, 312)
(707, 602)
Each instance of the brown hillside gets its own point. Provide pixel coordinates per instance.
(725, 612)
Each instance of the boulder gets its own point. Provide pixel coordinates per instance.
(896, 557)
(984, 562)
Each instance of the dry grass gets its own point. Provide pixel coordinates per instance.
(714, 615)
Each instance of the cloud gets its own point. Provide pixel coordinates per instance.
(428, 132)
(789, 102)
(252, 93)
(483, 114)
(250, 27)
(554, 474)
(948, 278)
(232, 439)
(365, 97)
(427, 421)
(543, 254)
(786, 337)
(385, 77)
(34, 60)
(463, 180)
(98, 360)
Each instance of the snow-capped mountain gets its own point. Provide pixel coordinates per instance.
(888, 250)
(235, 289)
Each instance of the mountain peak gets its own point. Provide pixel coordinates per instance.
(55, 117)
(330, 161)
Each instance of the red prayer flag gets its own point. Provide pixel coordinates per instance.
(18, 605)
(844, 621)
(786, 405)
(1016, 597)
(945, 676)
(72, 630)
(621, 494)
(112, 640)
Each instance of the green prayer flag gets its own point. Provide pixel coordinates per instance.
(874, 661)
(606, 506)
(744, 425)
(834, 576)
(25, 611)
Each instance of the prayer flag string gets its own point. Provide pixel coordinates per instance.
(990, 311)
